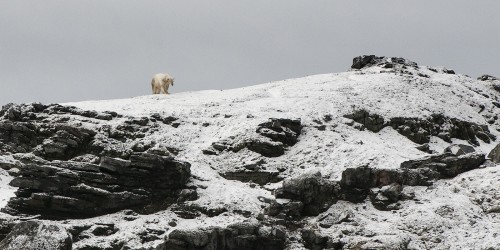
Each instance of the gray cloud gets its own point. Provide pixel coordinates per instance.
(58, 51)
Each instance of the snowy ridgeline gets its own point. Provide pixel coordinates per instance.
(389, 155)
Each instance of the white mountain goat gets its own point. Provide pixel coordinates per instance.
(161, 82)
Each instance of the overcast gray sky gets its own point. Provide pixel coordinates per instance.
(60, 51)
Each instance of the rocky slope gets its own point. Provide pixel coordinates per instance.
(389, 155)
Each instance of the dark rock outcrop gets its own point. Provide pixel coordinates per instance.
(420, 130)
(281, 130)
(446, 165)
(68, 167)
(75, 189)
(487, 78)
(420, 172)
(266, 148)
(317, 194)
(25, 112)
(372, 122)
(241, 236)
(259, 177)
(191, 211)
(385, 62)
(56, 132)
(281, 133)
(35, 235)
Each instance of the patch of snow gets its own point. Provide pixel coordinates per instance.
(6, 191)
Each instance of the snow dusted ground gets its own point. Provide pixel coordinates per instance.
(6, 191)
(311, 98)
(443, 216)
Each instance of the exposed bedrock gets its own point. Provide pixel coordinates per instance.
(56, 132)
(146, 182)
(420, 130)
(49, 140)
(66, 165)
(277, 135)
(385, 186)
(281, 130)
(314, 192)
(260, 177)
(35, 235)
(488, 78)
(385, 62)
(241, 236)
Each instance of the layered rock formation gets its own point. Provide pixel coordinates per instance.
(64, 170)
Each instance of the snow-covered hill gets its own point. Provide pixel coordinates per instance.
(269, 162)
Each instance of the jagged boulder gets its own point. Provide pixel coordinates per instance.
(315, 192)
(242, 236)
(278, 134)
(281, 130)
(36, 235)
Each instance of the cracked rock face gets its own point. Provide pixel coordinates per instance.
(65, 170)
(74, 189)
(278, 135)
(420, 130)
